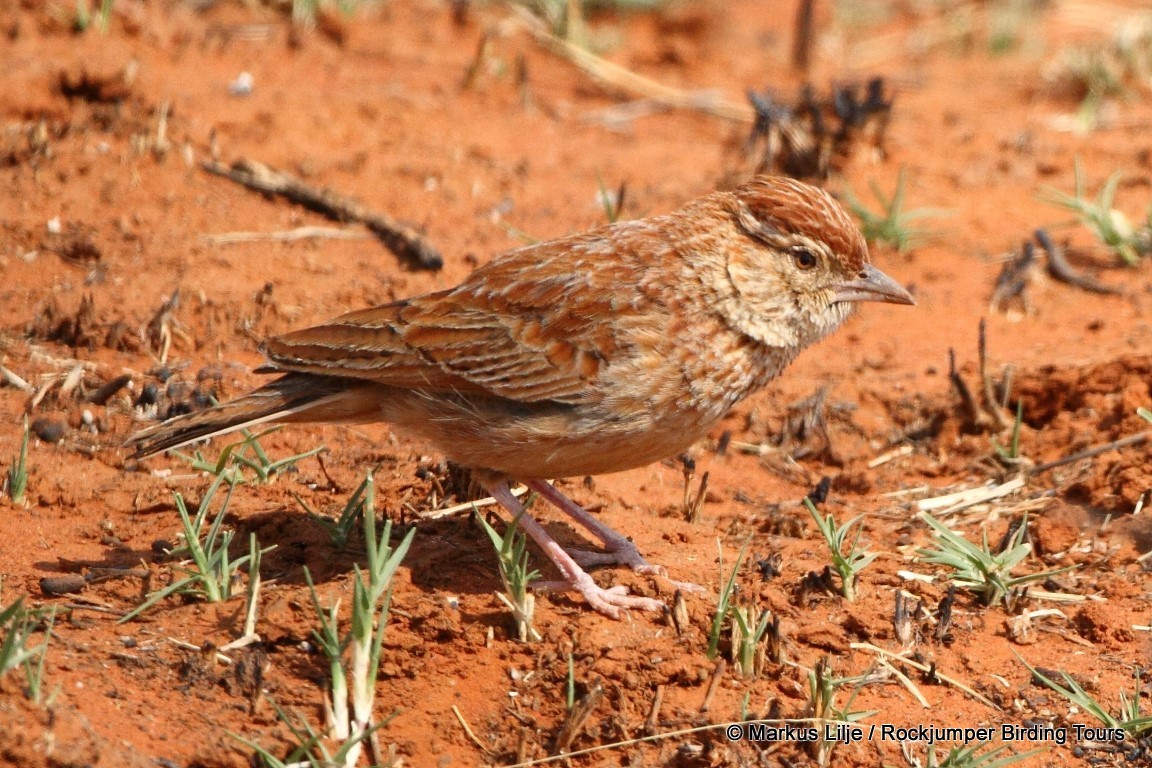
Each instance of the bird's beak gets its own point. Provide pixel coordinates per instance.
(872, 285)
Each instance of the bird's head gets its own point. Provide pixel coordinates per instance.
(801, 264)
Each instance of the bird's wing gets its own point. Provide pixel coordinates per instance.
(537, 325)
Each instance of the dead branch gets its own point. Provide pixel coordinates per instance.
(1060, 269)
(402, 240)
(1088, 453)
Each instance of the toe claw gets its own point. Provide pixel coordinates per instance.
(611, 601)
(630, 556)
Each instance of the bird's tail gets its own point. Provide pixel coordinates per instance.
(293, 397)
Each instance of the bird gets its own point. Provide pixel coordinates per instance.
(588, 354)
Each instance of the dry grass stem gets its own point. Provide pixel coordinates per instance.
(954, 502)
(286, 236)
(924, 668)
(468, 506)
(707, 101)
(468, 730)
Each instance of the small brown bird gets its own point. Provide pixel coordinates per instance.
(589, 354)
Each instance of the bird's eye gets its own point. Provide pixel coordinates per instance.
(804, 258)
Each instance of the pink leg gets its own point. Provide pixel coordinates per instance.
(607, 601)
(621, 551)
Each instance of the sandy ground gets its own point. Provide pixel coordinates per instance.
(106, 212)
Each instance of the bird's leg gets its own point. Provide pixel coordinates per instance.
(607, 601)
(621, 551)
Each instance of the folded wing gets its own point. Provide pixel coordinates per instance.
(529, 327)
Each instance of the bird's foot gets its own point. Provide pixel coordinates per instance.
(624, 552)
(619, 550)
(611, 601)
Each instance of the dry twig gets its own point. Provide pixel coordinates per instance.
(628, 81)
(1014, 280)
(286, 236)
(468, 506)
(903, 659)
(16, 381)
(954, 502)
(402, 240)
(577, 718)
(1060, 269)
(468, 730)
(991, 406)
(1088, 453)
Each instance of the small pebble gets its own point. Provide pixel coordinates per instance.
(62, 585)
(50, 430)
(242, 85)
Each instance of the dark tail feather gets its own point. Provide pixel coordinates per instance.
(294, 397)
